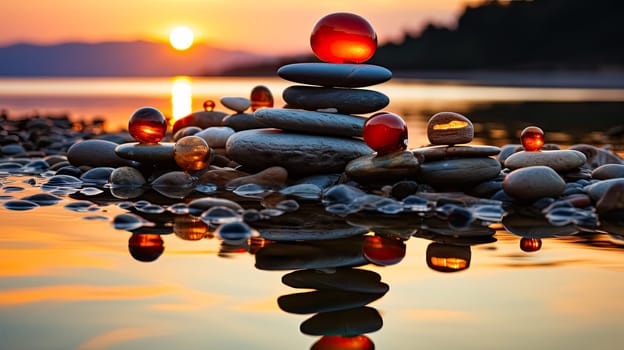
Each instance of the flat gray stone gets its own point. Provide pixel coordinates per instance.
(237, 104)
(242, 121)
(335, 75)
(300, 154)
(533, 182)
(216, 136)
(347, 279)
(346, 101)
(95, 153)
(598, 189)
(458, 172)
(200, 119)
(318, 123)
(608, 171)
(439, 152)
(149, 154)
(558, 160)
(385, 168)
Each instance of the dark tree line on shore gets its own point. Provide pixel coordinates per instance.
(542, 34)
(522, 34)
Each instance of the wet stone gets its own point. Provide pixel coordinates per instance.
(217, 136)
(347, 279)
(449, 128)
(11, 150)
(161, 153)
(43, 199)
(272, 178)
(346, 101)
(458, 172)
(219, 215)
(531, 183)
(318, 123)
(69, 170)
(325, 301)
(96, 176)
(341, 194)
(302, 191)
(242, 121)
(126, 177)
(299, 154)
(335, 75)
(200, 119)
(384, 168)
(198, 206)
(612, 202)
(234, 231)
(596, 156)
(220, 177)
(440, 152)
(82, 153)
(237, 104)
(598, 189)
(608, 171)
(20, 204)
(186, 131)
(558, 160)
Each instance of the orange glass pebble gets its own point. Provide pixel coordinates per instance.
(383, 251)
(261, 97)
(385, 133)
(532, 139)
(343, 38)
(209, 105)
(530, 244)
(191, 153)
(145, 247)
(147, 125)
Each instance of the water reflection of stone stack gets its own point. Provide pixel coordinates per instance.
(341, 292)
(318, 132)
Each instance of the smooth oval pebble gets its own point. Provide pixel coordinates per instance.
(43, 199)
(598, 189)
(96, 176)
(558, 160)
(346, 101)
(449, 128)
(331, 74)
(216, 136)
(299, 154)
(242, 121)
(63, 181)
(82, 153)
(237, 104)
(234, 231)
(531, 183)
(459, 171)
(20, 204)
(439, 152)
(128, 221)
(383, 168)
(311, 122)
(608, 171)
(198, 206)
(160, 153)
(219, 215)
(273, 177)
(126, 177)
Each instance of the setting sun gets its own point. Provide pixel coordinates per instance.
(181, 38)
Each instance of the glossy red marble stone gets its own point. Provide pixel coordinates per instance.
(145, 247)
(147, 125)
(261, 97)
(343, 38)
(532, 139)
(339, 342)
(191, 153)
(209, 105)
(530, 244)
(385, 133)
(383, 251)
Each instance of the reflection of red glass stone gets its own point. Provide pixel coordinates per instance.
(339, 342)
(383, 251)
(530, 244)
(343, 38)
(385, 133)
(532, 139)
(209, 105)
(147, 125)
(145, 247)
(261, 97)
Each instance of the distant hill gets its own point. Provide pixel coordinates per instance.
(527, 35)
(136, 58)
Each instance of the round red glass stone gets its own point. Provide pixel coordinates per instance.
(339, 342)
(532, 139)
(383, 251)
(147, 125)
(145, 247)
(209, 105)
(261, 97)
(530, 244)
(385, 133)
(343, 38)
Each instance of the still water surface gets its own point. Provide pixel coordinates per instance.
(68, 279)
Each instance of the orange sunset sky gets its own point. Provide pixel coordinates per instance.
(262, 26)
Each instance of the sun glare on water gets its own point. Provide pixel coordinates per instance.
(181, 38)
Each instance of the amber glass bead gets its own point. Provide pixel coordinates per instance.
(382, 250)
(261, 97)
(532, 139)
(209, 105)
(530, 244)
(147, 125)
(335, 342)
(385, 133)
(343, 38)
(191, 153)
